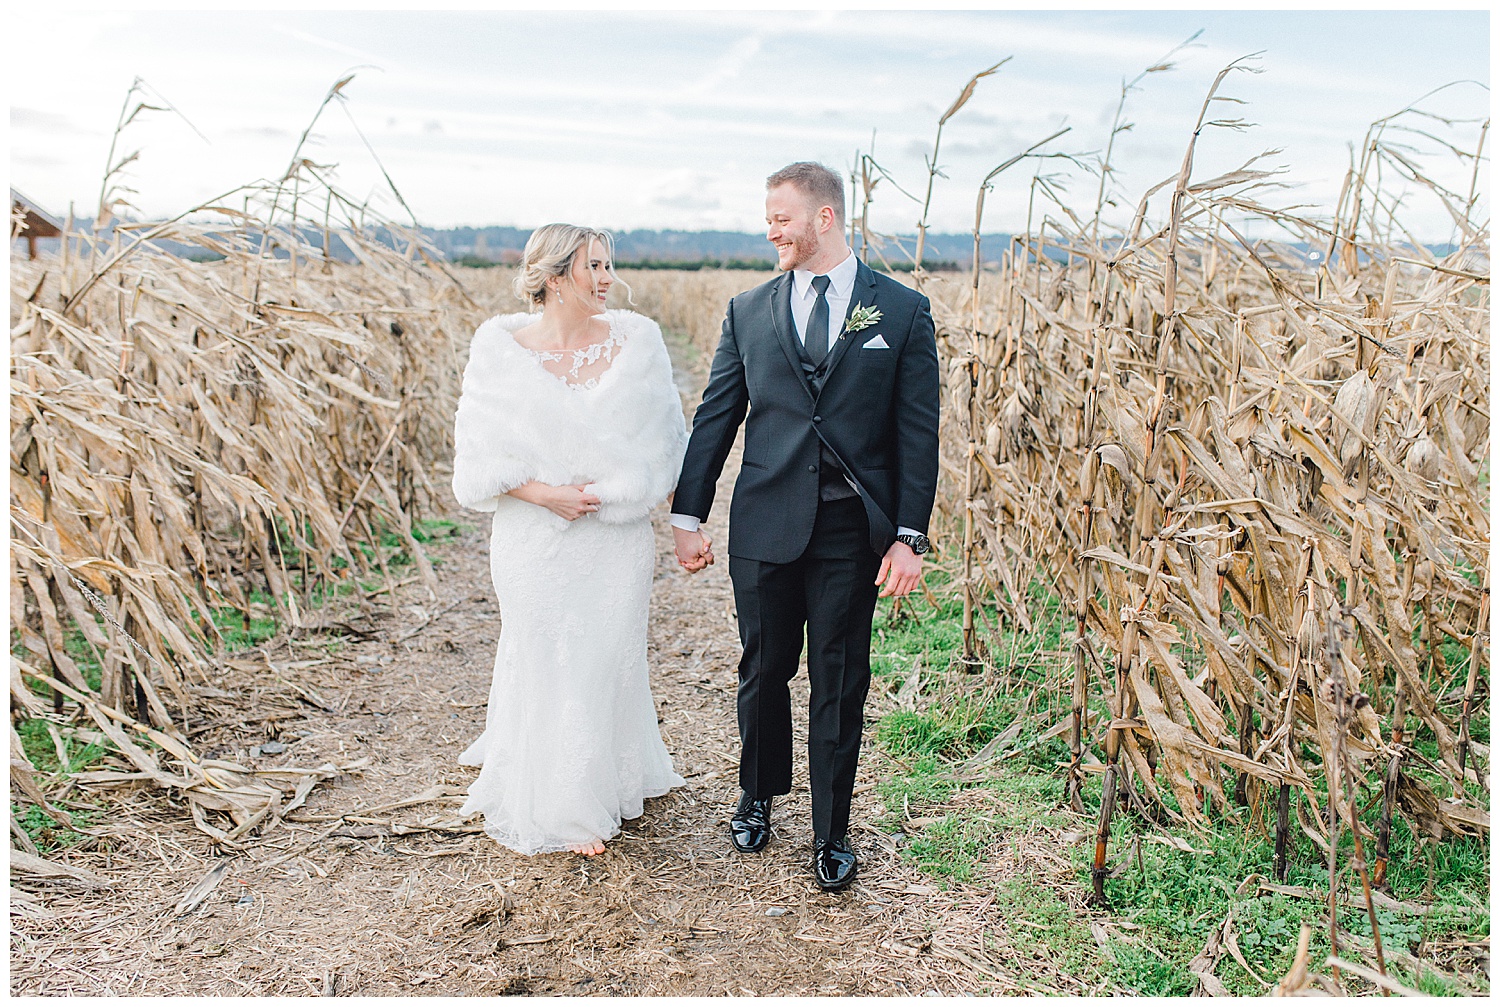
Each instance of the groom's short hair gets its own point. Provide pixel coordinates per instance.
(814, 181)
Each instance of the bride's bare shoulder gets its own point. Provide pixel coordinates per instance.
(525, 334)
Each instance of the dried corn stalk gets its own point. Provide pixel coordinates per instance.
(186, 433)
(1222, 457)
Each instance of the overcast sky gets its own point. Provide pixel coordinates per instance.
(673, 119)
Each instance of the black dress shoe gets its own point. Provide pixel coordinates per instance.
(750, 827)
(834, 866)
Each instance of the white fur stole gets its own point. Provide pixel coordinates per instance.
(517, 422)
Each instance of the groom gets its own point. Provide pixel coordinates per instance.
(838, 368)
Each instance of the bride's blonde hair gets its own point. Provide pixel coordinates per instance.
(550, 251)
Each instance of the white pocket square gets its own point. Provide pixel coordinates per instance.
(877, 343)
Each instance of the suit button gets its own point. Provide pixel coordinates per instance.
(812, 468)
(817, 419)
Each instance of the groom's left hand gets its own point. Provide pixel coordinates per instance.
(900, 571)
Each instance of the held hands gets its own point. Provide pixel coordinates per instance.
(568, 502)
(694, 549)
(900, 571)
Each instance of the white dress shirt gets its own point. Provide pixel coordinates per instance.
(840, 290)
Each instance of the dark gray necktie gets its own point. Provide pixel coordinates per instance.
(817, 322)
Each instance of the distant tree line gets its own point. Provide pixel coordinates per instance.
(671, 249)
(644, 249)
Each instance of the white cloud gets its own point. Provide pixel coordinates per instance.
(686, 189)
(333, 46)
(52, 123)
(727, 67)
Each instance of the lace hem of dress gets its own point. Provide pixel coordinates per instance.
(583, 357)
(513, 841)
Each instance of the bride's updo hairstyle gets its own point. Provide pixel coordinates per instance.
(550, 251)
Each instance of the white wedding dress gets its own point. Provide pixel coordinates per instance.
(571, 745)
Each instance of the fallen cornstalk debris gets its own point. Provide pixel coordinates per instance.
(250, 798)
(201, 889)
(439, 793)
(49, 870)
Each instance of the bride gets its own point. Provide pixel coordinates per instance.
(570, 430)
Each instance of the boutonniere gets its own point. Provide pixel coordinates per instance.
(862, 317)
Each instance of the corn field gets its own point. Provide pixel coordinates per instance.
(194, 444)
(1258, 480)
(1259, 485)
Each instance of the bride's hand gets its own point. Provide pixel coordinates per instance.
(694, 549)
(568, 502)
(571, 502)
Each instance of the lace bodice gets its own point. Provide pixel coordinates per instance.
(585, 358)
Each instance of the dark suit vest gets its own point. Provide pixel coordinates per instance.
(833, 482)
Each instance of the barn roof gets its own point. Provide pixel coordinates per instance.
(38, 223)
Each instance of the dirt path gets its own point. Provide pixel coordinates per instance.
(367, 905)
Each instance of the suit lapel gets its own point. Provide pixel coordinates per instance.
(786, 335)
(863, 293)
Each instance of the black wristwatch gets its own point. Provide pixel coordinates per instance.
(916, 541)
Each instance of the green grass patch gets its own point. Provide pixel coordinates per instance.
(440, 528)
(43, 753)
(919, 787)
(935, 638)
(950, 848)
(46, 834)
(1178, 898)
(241, 630)
(84, 655)
(1166, 902)
(960, 728)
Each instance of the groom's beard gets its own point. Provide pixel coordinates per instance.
(804, 247)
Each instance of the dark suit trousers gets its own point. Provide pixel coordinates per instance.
(830, 592)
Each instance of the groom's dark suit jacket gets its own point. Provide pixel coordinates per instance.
(874, 408)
